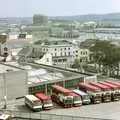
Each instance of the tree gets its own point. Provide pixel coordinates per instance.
(78, 65)
(107, 56)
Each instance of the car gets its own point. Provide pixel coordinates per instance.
(4, 116)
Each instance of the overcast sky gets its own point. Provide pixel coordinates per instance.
(57, 7)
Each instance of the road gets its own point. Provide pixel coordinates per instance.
(104, 110)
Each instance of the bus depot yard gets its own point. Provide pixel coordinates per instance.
(63, 87)
(106, 110)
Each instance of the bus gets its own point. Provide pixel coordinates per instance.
(84, 96)
(116, 83)
(106, 91)
(113, 82)
(62, 96)
(114, 90)
(46, 101)
(33, 102)
(77, 101)
(92, 91)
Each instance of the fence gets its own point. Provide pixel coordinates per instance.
(18, 115)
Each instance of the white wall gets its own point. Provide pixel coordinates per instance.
(13, 84)
(12, 37)
(46, 59)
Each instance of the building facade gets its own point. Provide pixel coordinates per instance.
(39, 19)
(63, 52)
(84, 55)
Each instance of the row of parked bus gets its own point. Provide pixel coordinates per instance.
(38, 102)
(86, 93)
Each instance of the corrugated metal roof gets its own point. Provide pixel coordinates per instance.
(36, 72)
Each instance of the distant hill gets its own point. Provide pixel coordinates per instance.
(88, 17)
(112, 17)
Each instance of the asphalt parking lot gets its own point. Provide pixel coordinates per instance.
(109, 110)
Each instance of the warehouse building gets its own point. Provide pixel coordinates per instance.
(41, 77)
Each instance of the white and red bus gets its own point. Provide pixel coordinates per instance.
(106, 91)
(93, 92)
(65, 96)
(46, 100)
(33, 102)
(113, 82)
(116, 83)
(114, 90)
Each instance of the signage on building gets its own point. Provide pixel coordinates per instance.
(22, 36)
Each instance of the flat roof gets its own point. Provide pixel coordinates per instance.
(39, 74)
(6, 68)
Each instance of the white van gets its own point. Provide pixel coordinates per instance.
(4, 117)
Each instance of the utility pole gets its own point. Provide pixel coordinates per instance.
(5, 92)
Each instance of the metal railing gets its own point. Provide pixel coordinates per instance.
(18, 115)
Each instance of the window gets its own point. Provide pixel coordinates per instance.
(55, 54)
(76, 51)
(61, 49)
(68, 48)
(55, 60)
(55, 49)
(81, 52)
(47, 60)
(64, 48)
(65, 53)
(80, 59)
(59, 60)
(68, 53)
(61, 54)
(64, 60)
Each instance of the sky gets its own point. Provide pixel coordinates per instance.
(22, 8)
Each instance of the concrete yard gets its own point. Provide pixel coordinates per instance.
(104, 110)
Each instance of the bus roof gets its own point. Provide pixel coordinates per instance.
(113, 82)
(108, 84)
(88, 86)
(61, 89)
(42, 96)
(79, 92)
(32, 98)
(101, 86)
(73, 94)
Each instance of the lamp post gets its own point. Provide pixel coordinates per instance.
(5, 99)
(5, 92)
